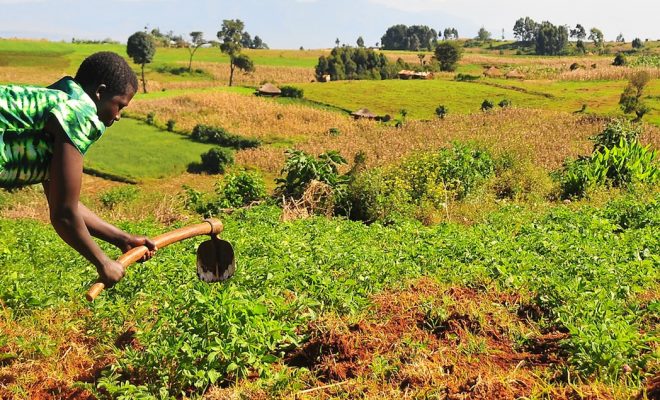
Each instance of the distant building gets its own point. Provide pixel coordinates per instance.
(364, 113)
(408, 74)
(269, 90)
(493, 72)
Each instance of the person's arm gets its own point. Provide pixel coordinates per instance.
(65, 214)
(101, 229)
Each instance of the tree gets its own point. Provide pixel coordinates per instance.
(402, 37)
(141, 48)
(246, 40)
(483, 35)
(579, 32)
(525, 29)
(620, 60)
(337, 42)
(596, 36)
(579, 47)
(637, 43)
(196, 41)
(448, 54)
(360, 42)
(551, 39)
(620, 38)
(230, 43)
(631, 98)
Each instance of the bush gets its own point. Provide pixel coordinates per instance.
(241, 189)
(441, 111)
(292, 91)
(421, 181)
(620, 60)
(151, 118)
(300, 169)
(219, 136)
(487, 105)
(215, 160)
(170, 125)
(517, 179)
(618, 160)
(466, 77)
(504, 103)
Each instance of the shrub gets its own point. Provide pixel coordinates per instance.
(441, 111)
(504, 103)
(292, 91)
(466, 77)
(241, 189)
(520, 179)
(219, 136)
(334, 132)
(151, 118)
(170, 125)
(620, 60)
(631, 98)
(300, 169)
(618, 160)
(119, 195)
(215, 160)
(487, 105)
(422, 181)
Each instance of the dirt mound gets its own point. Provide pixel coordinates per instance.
(457, 340)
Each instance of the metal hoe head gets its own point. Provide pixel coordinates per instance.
(215, 260)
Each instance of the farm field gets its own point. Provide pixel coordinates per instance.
(454, 258)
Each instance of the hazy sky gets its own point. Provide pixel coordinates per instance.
(316, 23)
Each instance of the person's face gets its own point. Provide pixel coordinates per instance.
(109, 105)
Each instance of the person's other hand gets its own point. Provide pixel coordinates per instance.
(111, 273)
(137, 241)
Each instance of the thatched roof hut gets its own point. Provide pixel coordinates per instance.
(493, 72)
(269, 90)
(408, 74)
(364, 113)
(514, 75)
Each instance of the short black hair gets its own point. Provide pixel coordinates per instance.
(108, 68)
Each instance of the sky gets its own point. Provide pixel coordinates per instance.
(290, 24)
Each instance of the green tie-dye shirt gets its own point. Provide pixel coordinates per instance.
(25, 147)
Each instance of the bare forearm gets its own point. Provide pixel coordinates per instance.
(70, 226)
(99, 228)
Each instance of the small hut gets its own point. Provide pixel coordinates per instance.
(269, 90)
(364, 113)
(493, 72)
(514, 75)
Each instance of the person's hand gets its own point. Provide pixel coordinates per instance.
(111, 273)
(136, 241)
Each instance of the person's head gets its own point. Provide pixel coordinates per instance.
(108, 79)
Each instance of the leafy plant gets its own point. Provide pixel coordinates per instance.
(300, 169)
(487, 105)
(241, 189)
(441, 111)
(120, 195)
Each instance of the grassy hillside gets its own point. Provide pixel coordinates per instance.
(135, 150)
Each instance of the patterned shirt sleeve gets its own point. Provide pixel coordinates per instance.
(80, 123)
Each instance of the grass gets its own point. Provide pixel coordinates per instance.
(135, 150)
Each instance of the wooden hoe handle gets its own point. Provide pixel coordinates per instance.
(210, 226)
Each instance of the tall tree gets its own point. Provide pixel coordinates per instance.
(596, 36)
(551, 39)
(525, 29)
(230, 43)
(448, 54)
(360, 42)
(579, 32)
(196, 41)
(483, 35)
(141, 48)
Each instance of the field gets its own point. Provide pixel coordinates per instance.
(510, 290)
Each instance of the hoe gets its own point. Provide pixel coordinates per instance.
(215, 257)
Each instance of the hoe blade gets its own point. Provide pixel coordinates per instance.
(215, 260)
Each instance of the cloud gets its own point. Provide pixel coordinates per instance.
(411, 5)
